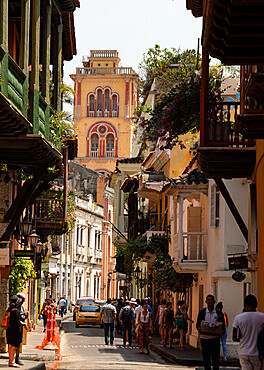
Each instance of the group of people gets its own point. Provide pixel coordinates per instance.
(167, 320)
(14, 333)
(126, 315)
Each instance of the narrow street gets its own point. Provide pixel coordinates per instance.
(84, 348)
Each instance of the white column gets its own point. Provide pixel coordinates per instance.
(180, 231)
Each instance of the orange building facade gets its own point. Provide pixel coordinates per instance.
(106, 96)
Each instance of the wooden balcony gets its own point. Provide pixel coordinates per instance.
(190, 251)
(224, 152)
(50, 217)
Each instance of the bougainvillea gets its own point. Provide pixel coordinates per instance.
(178, 86)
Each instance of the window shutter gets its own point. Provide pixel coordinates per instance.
(213, 206)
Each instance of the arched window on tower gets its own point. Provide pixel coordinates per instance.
(110, 145)
(107, 103)
(114, 106)
(91, 106)
(99, 103)
(94, 145)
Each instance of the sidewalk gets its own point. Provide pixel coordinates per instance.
(189, 357)
(34, 359)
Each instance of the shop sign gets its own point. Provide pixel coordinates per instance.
(4, 256)
(25, 253)
(238, 263)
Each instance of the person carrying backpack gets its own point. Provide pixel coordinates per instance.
(249, 325)
(127, 319)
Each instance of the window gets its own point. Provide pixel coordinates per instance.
(94, 145)
(110, 144)
(99, 103)
(114, 106)
(215, 197)
(107, 101)
(91, 103)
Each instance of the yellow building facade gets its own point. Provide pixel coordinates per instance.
(106, 96)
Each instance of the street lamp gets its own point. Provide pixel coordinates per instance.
(25, 227)
(33, 239)
(137, 272)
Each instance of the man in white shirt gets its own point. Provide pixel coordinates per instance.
(210, 343)
(246, 328)
(138, 309)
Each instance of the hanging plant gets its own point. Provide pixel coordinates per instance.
(21, 271)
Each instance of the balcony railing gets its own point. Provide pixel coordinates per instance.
(150, 233)
(194, 246)
(220, 130)
(105, 71)
(98, 253)
(50, 216)
(16, 86)
(80, 250)
(109, 153)
(50, 210)
(94, 153)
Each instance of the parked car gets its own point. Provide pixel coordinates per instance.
(88, 314)
(79, 302)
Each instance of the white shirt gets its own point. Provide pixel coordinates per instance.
(138, 309)
(249, 325)
(210, 316)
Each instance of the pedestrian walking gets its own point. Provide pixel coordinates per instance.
(149, 307)
(168, 324)
(119, 304)
(13, 333)
(66, 300)
(219, 307)
(138, 310)
(181, 321)
(62, 306)
(127, 319)
(210, 342)
(145, 326)
(43, 313)
(108, 317)
(160, 311)
(248, 325)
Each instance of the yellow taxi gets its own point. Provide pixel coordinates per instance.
(88, 314)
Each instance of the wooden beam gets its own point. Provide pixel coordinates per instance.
(219, 182)
(4, 24)
(46, 53)
(24, 49)
(19, 204)
(58, 68)
(34, 77)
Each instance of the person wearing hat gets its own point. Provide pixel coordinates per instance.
(13, 333)
(23, 317)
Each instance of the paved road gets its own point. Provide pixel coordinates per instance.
(84, 348)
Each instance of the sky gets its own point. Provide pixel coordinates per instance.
(132, 27)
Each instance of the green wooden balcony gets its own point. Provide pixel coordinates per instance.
(15, 87)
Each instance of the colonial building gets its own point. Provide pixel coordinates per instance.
(105, 98)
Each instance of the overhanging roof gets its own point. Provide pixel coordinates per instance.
(233, 31)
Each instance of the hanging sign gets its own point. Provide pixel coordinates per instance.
(238, 263)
